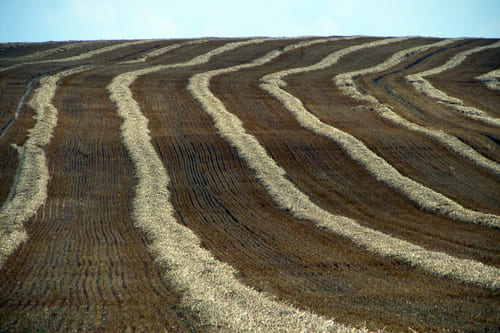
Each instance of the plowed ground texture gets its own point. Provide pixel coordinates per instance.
(86, 267)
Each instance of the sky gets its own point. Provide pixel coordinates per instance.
(59, 20)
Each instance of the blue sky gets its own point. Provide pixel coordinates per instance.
(42, 20)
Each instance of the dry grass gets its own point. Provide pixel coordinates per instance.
(39, 272)
(276, 78)
(380, 169)
(290, 198)
(29, 190)
(422, 85)
(209, 286)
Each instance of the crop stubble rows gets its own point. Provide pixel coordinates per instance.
(391, 86)
(261, 242)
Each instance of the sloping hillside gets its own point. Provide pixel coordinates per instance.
(263, 184)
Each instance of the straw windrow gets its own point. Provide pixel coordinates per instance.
(380, 169)
(491, 79)
(424, 86)
(29, 190)
(289, 197)
(346, 83)
(82, 56)
(209, 286)
(37, 56)
(163, 50)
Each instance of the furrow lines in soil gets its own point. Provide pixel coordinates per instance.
(17, 50)
(163, 50)
(289, 197)
(9, 85)
(462, 81)
(84, 265)
(422, 85)
(271, 250)
(10, 120)
(81, 56)
(466, 159)
(451, 142)
(16, 118)
(61, 49)
(380, 169)
(155, 221)
(209, 286)
(29, 190)
(326, 174)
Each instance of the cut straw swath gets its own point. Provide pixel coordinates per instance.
(82, 56)
(491, 79)
(209, 286)
(29, 190)
(346, 83)
(424, 86)
(37, 56)
(290, 198)
(380, 169)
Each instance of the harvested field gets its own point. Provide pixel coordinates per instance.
(267, 184)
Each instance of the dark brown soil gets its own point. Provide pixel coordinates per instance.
(85, 266)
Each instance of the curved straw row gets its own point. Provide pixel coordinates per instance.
(162, 50)
(60, 49)
(345, 83)
(208, 285)
(289, 197)
(29, 190)
(82, 56)
(422, 85)
(491, 79)
(379, 168)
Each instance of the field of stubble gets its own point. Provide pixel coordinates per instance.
(261, 185)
